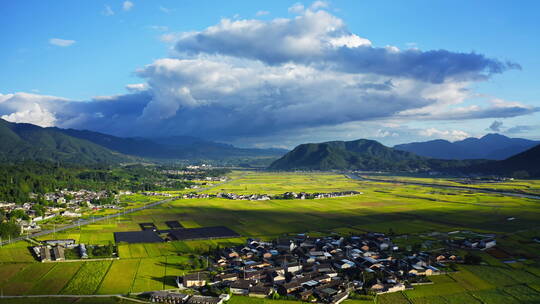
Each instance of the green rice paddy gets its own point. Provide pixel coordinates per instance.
(406, 210)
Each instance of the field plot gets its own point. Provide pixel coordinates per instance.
(22, 282)
(55, 279)
(88, 278)
(145, 236)
(203, 233)
(150, 275)
(120, 277)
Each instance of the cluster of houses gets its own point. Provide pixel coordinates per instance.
(53, 250)
(264, 197)
(180, 298)
(67, 204)
(325, 269)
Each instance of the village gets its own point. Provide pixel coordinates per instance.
(264, 197)
(63, 203)
(326, 269)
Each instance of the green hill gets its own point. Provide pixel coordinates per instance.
(522, 165)
(362, 154)
(27, 142)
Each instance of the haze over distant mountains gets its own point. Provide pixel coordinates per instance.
(490, 146)
(27, 142)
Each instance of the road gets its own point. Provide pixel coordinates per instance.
(87, 221)
(514, 194)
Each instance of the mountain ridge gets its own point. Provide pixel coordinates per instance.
(490, 146)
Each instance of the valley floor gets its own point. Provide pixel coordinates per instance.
(412, 213)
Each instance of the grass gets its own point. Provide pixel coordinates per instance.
(120, 277)
(88, 278)
(149, 275)
(55, 279)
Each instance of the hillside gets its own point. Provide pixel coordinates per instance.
(360, 154)
(27, 142)
(522, 165)
(490, 146)
(363, 154)
(176, 147)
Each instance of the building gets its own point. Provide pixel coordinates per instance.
(196, 299)
(58, 252)
(168, 297)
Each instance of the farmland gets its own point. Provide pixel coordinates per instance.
(411, 212)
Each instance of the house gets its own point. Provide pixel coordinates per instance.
(340, 297)
(168, 297)
(196, 299)
(58, 252)
(241, 287)
(45, 254)
(192, 280)
(260, 291)
(65, 243)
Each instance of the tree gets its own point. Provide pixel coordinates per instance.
(472, 259)
(9, 229)
(18, 213)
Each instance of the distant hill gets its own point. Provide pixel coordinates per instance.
(27, 142)
(491, 146)
(523, 165)
(360, 154)
(176, 147)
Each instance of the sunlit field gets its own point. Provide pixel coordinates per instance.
(411, 212)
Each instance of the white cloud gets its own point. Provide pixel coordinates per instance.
(309, 78)
(137, 87)
(262, 13)
(107, 11)
(297, 8)
(127, 5)
(61, 42)
(319, 4)
(451, 135)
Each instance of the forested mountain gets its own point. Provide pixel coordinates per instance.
(523, 165)
(360, 154)
(27, 142)
(490, 146)
(176, 147)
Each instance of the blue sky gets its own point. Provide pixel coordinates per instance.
(102, 46)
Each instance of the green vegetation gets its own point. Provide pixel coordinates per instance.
(88, 278)
(24, 142)
(360, 154)
(410, 212)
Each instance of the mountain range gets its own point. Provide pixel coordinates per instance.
(371, 155)
(362, 154)
(175, 147)
(490, 146)
(27, 142)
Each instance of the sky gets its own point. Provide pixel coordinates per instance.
(274, 73)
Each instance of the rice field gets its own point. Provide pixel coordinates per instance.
(406, 210)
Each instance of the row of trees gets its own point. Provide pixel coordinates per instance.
(17, 181)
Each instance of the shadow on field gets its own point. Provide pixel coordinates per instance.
(168, 280)
(260, 222)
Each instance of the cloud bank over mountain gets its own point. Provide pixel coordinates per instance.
(245, 79)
